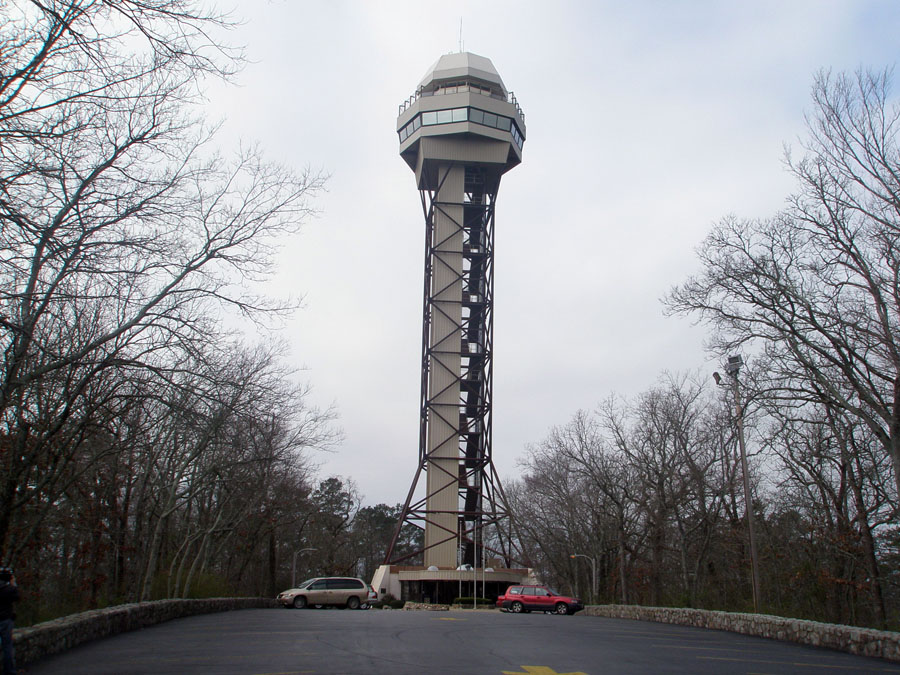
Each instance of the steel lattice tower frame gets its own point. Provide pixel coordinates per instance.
(460, 132)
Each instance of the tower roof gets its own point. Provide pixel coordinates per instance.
(461, 65)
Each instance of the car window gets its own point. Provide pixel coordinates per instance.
(540, 591)
(515, 590)
(344, 584)
(306, 583)
(552, 591)
(317, 585)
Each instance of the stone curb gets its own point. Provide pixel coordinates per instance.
(51, 637)
(852, 639)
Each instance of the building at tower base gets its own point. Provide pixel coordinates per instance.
(417, 584)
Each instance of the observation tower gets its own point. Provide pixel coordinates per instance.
(459, 132)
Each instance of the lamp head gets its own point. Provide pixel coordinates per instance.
(734, 365)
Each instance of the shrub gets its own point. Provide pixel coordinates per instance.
(388, 600)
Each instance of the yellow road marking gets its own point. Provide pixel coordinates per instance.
(538, 670)
(450, 618)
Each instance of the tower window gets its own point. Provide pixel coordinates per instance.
(434, 117)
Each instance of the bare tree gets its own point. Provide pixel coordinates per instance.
(813, 294)
(613, 484)
(122, 230)
(816, 287)
(834, 477)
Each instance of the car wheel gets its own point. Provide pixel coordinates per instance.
(516, 608)
(299, 602)
(353, 602)
(562, 608)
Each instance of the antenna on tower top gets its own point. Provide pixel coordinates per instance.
(461, 43)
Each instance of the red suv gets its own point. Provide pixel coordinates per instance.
(538, 598)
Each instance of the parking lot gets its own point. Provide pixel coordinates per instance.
(290, 642)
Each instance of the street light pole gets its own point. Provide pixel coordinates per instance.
(294, 566)
(593, 574)
(733, 367)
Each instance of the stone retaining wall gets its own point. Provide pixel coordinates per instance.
(52, 637)
(861, 641)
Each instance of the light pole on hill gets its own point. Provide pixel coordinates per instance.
(294, 566)
(733, 368)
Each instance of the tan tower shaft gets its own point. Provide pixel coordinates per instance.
(444, 364)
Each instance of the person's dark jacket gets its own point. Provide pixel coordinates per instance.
(8, 595)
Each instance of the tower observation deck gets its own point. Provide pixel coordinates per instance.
(459, 132)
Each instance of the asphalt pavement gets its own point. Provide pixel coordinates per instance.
(394, 642)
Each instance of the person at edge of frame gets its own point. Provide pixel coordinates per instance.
(9, 593)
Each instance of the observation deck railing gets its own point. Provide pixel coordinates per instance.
(461, 89)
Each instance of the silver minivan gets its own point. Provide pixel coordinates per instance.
(329, 591)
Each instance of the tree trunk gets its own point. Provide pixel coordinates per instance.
(868, 542)
(895, 433)
(623, 580)
(273, 567)
(658, 539)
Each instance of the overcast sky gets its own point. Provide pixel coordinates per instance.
(646, 123)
